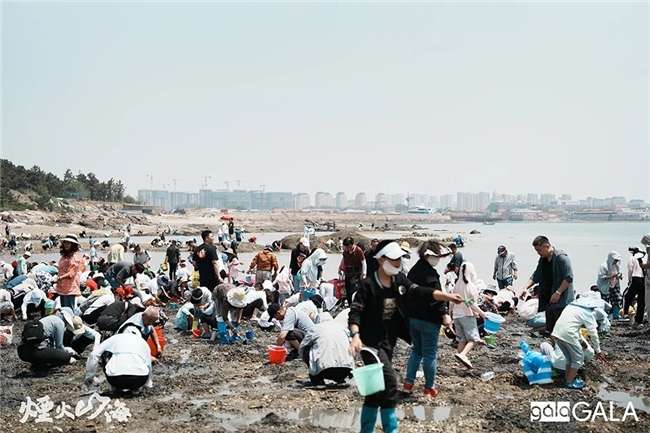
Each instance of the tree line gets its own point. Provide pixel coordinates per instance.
(42, 186)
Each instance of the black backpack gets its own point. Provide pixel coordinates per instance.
(33, 332)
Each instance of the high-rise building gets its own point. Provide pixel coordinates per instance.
(547, 199)
(382, 201)
(341, 200)
(447, 201)
(532, 198)
(397, 199)
(483, 200)
(361, 200)
(324, 200)
(302, 201)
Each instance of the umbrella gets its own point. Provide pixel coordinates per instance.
(227, 217)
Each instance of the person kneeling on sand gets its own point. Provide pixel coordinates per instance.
(125, 359)
(325, 351)
(295, 325)
(583, 312)
(42, 343)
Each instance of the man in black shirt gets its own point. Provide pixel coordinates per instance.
(173, 256)
(207, 262)
(371, 261)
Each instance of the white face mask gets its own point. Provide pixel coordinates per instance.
(433, 260)
(390, 269)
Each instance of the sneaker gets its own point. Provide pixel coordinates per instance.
(431, 392)
(408, 387)
(576, 384)
(463, 360)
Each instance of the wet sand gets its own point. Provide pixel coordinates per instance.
(200, 387)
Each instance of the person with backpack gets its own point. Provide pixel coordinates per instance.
(42, 343)
(115, 314)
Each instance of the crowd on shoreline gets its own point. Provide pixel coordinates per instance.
(115, 307)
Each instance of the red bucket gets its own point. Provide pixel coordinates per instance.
(161, 339)
(339, 288)
(277, 354)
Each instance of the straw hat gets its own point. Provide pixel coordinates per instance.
(73, 323)
(70, 238)
(236, 297)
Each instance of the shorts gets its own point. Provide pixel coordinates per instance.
(574, 355)
(466, 329)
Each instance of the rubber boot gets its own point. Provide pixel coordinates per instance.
(389, 420)
(368, 419)
(616, 312)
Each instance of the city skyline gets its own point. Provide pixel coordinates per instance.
(463, 201)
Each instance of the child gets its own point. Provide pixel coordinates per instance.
(585, 311)
(465, 313)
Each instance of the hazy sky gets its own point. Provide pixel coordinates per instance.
(431, 98)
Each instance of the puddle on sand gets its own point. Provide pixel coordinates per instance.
(621, 399)
(181, 396)
(330, 418)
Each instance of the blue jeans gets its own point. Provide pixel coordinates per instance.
(424, 336)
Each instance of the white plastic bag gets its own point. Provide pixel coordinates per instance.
(527, 310)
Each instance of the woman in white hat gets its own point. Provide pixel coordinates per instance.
(71, 265)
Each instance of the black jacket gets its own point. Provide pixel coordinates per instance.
(368, 308)
(423, 274)
(293, 263)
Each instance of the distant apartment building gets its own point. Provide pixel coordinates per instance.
(324, 200)
(341, 200)
(532, 198)
(547, 199)
(447, 201)
(637, 204)
(382, 201)
(302, 201)
(483, 200)
(160, 198)
(361, 200)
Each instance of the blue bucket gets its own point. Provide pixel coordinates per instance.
(370, 378)
(492, 323)
(307, 294)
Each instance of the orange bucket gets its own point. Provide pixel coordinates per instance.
(161, 339)
(277, 354)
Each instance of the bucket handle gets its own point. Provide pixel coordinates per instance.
(373, 352)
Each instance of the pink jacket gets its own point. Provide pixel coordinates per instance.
(70, 269)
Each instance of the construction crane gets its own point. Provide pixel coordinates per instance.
(150, 177)
(262, 187)
(227, 185)
(205, 181)
(174, 182)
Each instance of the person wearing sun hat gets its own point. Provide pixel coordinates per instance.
(77, 335)
(71, 266)
(376, 320)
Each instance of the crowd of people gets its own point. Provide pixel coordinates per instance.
(113, 307)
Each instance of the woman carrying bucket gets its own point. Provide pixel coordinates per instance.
(376, 320)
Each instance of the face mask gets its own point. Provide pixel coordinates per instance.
(433, 261)
(390, 269)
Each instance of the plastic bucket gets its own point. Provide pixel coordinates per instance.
(161, 339)
(370, 378)
(277, 354)
(493, 323)
(49, 307)
(307, 294)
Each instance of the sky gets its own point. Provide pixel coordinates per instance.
(304, 97)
